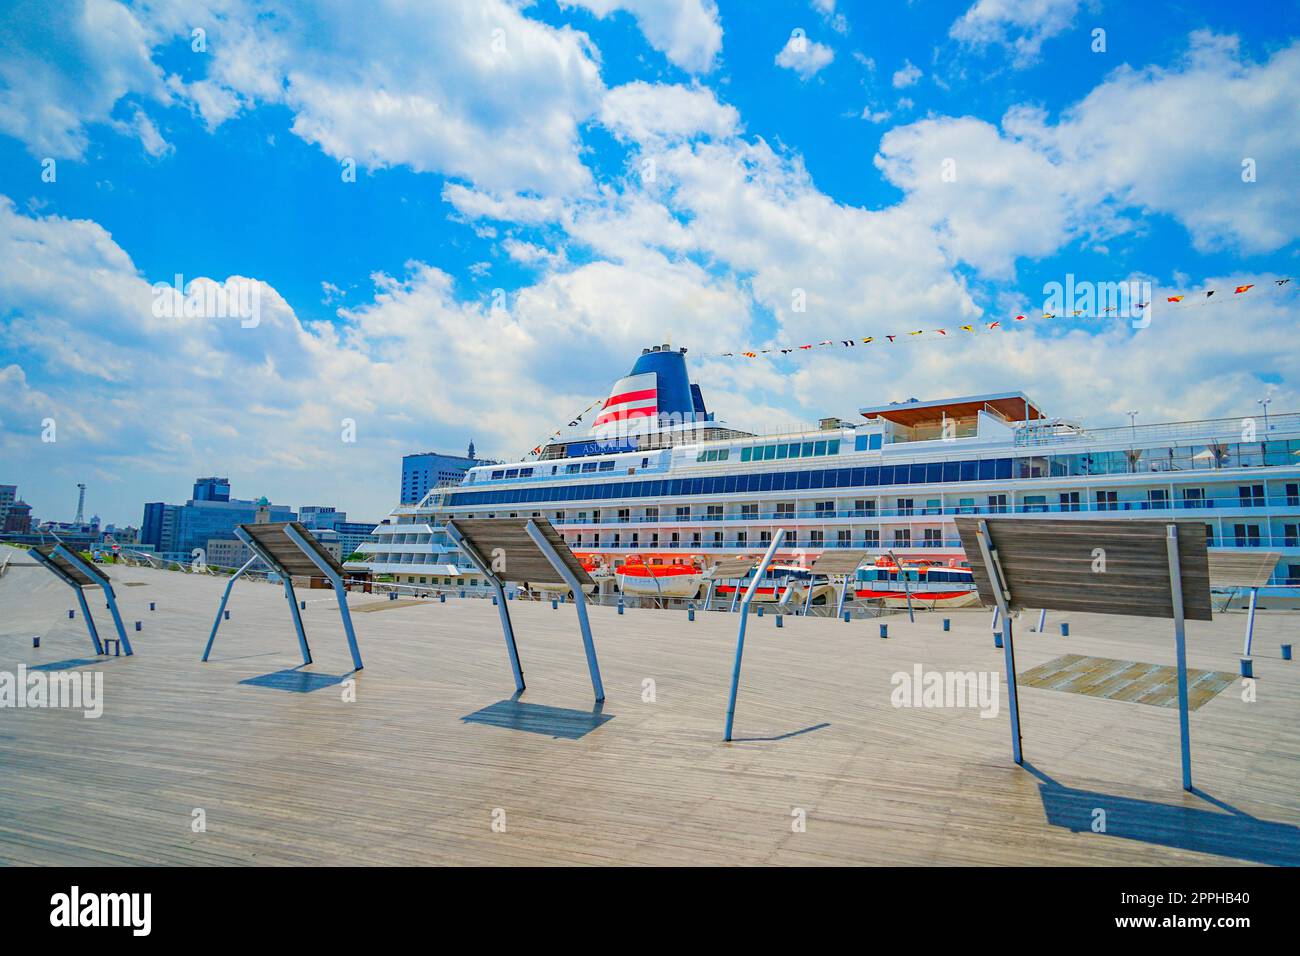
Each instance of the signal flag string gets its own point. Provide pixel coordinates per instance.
(1183, 300)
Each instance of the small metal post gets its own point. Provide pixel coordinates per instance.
(1250, 624)
(777, 538)
(151, 606)
(36, 642)
(1247, 667)
(554, 604)
(690, 614)
(1180, 651)
(760, 610)
(780, 621)
(442, 597)
(504, 612)
(1286, 652)
(137, 625)
(71, 615)
(1042, 620)
(884, 631)
(1065, 628)
(1002, 597)
(847, 617)
(579, 602)
(947, 624)
(297, 619)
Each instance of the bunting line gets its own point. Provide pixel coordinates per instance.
(573, 423)
(975, 327)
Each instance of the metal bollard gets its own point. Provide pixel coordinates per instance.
(137, 625)
(1247, 667)
(392, 595)
(690, 614)
(620, 605)
(227, 615)
(1065, 628)
(997, 638)
(847, 617)
(71, 615)
(302, 605)
(151, 606)
(947, 624)
(1286, 652)
(760, 610)
(494, 600)
(884, 631)
(780, 620)
(554, 604)
(462, 593)
(442, 597)
(36, 642)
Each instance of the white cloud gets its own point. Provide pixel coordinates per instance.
(806, 57)
(65, 65)
(907, 76)
(657, 112)
(413, 366)
(1019, 26)
(1150, 141)
(875, 116)
(688, 32)
(989, 198)
(836, 21)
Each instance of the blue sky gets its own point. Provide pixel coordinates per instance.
(506, 146)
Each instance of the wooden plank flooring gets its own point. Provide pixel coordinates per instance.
(399, 777)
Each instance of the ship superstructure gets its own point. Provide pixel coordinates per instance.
(658, 479)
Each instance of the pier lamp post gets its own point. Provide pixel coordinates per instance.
(1264, 403)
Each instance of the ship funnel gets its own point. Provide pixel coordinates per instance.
(657, 393)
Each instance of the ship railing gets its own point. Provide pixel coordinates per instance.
(1202, 431)
(1231, 541)
(1212, 503)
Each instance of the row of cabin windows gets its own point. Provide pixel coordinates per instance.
(715, 454)
(1252, 495)
(1157, 498)
(807, 449)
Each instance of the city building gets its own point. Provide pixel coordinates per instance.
(177, 530)
(17, 518)
(212, 489)
(423, 472)
(350, 535)
(8, 495)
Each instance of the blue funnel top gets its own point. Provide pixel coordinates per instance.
(675, 389)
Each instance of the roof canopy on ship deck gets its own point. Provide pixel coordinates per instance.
(1010, 406)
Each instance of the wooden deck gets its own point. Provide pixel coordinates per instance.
(398, 776)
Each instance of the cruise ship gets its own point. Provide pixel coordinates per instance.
(658, 481)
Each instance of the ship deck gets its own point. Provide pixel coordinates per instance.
(400, 776)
